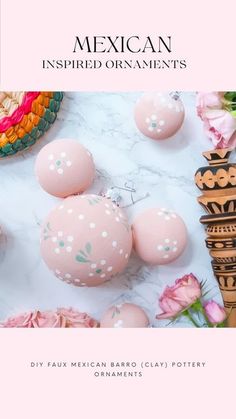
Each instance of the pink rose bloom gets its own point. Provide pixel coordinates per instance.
(60, 318)
(215, 313)
(179, 297)
(76, 319)
(219, 124)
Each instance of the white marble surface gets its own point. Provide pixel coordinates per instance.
(160, 171)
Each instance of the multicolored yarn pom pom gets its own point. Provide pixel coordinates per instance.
(25, 117)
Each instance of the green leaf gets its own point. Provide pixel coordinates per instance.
(83, 253)
(230, 95)
(98, 271)
(80, 259)
(88, 248)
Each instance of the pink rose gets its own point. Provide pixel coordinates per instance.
(76, 319)
(60, 318)
(219, 124)
(179, 297)
(208, 100)
(215, 313)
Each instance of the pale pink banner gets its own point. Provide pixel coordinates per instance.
(202, 33)
(177, 390)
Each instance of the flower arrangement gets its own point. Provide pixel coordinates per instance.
(62, 317)
(218, 113)
(184, 298)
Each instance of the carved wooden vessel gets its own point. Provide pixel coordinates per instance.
(218, 185)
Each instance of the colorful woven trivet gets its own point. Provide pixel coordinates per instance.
(25, 117)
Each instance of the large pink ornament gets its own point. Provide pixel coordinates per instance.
(124, 315)
(159, 236)
(86, 240)
(158, 115)
(64, 167)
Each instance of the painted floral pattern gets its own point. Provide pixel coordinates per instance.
(168, 246)
(154, 124)
(61, 242)
(59, 164)
(86, 240)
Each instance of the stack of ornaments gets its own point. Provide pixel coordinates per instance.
(86, 239)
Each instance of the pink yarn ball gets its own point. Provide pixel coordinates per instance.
(86, 240)
(124, 315)
(159, 236)
(64, 167)
(158, 115)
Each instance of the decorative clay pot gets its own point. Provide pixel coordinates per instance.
(218, 185)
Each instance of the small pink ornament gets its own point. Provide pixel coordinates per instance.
(159, 115)
(64, 167)
(159, 236)
(124, 315)
(86, 240)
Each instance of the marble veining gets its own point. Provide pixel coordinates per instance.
(153, 174)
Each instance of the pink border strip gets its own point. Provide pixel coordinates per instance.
(19, 113)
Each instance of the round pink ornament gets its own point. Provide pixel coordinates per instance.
(158, 115)
(159, 236)
(64, 167)
(86, 240)
(124, 315)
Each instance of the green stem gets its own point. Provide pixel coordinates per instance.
(198, 307)
(189, 316)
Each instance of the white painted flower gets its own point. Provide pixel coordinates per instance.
(167, 246)
(154, 124)
(59, 164)
(62, 242)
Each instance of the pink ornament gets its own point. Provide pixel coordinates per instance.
(64, 167)
(86, 240)
(124, 315)
(158, 115)
(159, 236)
